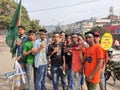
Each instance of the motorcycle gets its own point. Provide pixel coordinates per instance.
(113, 67)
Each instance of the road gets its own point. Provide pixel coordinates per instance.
(7, 64)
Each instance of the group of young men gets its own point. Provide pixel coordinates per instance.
(74, 59)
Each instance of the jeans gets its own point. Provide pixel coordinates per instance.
(56, 73)
(70, 78)
(78, 78)
(82, 79)
(29, 72)
(40, 81)
(102, 81)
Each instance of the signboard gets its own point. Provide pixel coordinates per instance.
(106, 41)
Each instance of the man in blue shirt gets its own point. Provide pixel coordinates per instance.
(39, 50)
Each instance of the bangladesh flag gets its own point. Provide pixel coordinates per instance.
(12, 32)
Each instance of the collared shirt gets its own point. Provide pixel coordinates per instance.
(40, 57)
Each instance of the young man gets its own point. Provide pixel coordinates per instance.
(39, 50)
(93, 62)
(62, 36)
(27, 52)
(19, 46)
(77, 60)
(68, 59)
(55, 52)
(102, 79)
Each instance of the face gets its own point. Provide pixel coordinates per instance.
(75, 39)
(62, 36)
(97, 39)
(80, 39)
(43, 36)
(21, 31)
(89, 38)
(68, 39)
(56, 38)
(31, 37)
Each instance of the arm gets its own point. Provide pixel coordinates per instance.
(64, 63)
(98, 67)
(100, 60)
(37, 49)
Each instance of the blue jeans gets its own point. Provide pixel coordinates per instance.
(77, 76)
(82, 79)
(70, 78)
(56, 73)
(102, 81)
(40, 81)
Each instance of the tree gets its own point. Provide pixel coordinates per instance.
(35, 24)
(7, 9)
(100, 29)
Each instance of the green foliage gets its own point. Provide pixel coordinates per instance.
(35, 24)
(7, 10)
(68, 31)
(101, 30)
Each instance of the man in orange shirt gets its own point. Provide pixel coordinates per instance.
(93, 62)
(102, 79)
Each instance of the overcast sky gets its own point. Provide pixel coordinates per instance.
(68, 11)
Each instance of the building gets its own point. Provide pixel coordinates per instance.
(113, 29)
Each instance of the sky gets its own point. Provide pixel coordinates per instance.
(53, 12)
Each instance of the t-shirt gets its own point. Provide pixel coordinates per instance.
(28, 46)
(68, 55)
(76, 62)
(93, 54)
(105, 54)
(56, 58)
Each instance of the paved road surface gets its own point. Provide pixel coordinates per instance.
(6, 65)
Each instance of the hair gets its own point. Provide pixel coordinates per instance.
(21, 27)
(89, 32)
(62, 32)
(43, 30)
(31, 31)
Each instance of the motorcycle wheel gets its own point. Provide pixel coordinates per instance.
(117, 75)
(107, 75)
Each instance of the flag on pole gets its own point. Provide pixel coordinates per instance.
(12, 32)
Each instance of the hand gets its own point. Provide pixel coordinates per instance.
(42, 46)
(17, 58)
(56, 49)
(64, 66)
(49, 62)
(89, 78)
(65, 49)
(18, 43)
